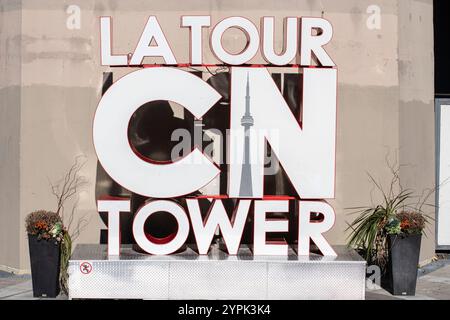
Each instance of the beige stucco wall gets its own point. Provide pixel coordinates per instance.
(10, 81)
(416, 104)
(385, 96)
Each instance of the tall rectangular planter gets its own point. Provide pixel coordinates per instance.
(400, 276)
(45, 263)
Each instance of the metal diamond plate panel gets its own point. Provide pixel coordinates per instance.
(187, 275)
(120, 279)
(218, 280)
(310, 281)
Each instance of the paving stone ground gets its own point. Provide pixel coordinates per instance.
(434, 285)
(18, 287)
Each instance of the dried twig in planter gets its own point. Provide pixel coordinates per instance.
(64, 191)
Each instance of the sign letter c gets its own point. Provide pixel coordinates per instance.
(110, 132)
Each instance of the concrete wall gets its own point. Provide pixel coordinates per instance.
(10, 101)
(416, 105)
(384, 95)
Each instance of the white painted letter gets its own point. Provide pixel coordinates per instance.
(290, 41)
(217, 217)
(311, 44)
(110, 132)
(113, 207)
(107, 58)
(252, 40)
(306, 153)
(262, 226)
(196, 23)
(152, 31)
(313, 230)
(160, 248)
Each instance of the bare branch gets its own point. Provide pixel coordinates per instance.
(67, 188)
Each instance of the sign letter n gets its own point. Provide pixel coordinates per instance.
(305, 147)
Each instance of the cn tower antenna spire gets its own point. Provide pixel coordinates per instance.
(247, 122)
(247, 97)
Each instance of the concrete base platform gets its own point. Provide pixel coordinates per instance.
(187, 275)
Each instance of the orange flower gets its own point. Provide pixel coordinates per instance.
(41, 225)
(405, 224)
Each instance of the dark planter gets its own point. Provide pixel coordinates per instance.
(45, 264)
(400, 276)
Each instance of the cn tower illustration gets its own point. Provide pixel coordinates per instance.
(246, 174)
